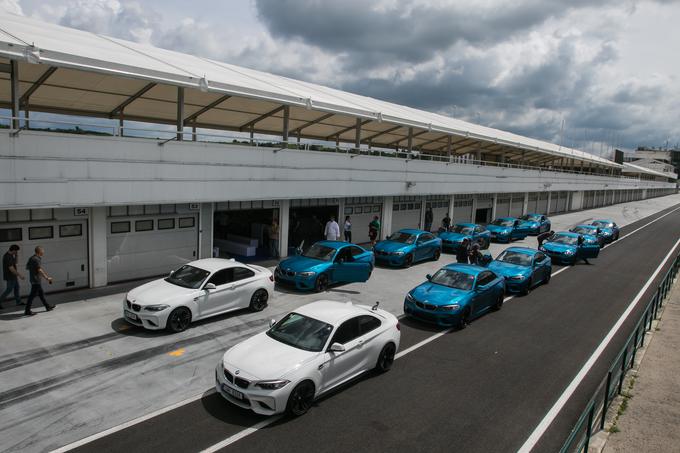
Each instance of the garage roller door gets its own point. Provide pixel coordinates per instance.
(440, 208)
(405, 215)
(532, 204)
(361, 215)
(517, 205)
(462, 210)
(503, 207)
(542, 206)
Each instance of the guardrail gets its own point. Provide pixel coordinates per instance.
(169, 134)
(593, 417)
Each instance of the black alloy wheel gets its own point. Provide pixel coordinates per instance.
(179, 319)
(301, 398)
(258, 301)
(408, 260)
(321, 283)
(435, 256)
(386, 358)
(499, 303)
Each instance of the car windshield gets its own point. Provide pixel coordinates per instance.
(503, 222)
(512, 257)
(453, 279)
(602, 224)
(583, 230)
(562, 239)
(462, 229)
(404, 238)
(532, 218)
(301, 332)
(188, 277)
(320, 252)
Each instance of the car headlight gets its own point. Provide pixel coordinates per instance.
(541, 248)
(410, 298)
(503, 233)
(517, 277)
(272, 385)
(452, 307)
(569, 252)
(606, 233)
(398, 253)
(306, 274)
(160, 307)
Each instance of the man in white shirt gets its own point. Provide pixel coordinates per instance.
(332, 231)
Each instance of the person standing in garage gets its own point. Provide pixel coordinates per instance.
(332, 231)
(429, 216)
(373, 230)
(274, 239)
(11, 274)
(446, 222)
(35, 274)
(347, 228)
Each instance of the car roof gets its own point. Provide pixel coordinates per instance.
(215, 264)
(507, 218)
(466, 268)
(468, 224)
(533, 213)
(411, 231)
(603, 220)
(584, 225)
(568, 233)
(332, 312)
(525, 250)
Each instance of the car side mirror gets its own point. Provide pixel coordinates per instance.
(272, 322)
(209, 286)
(337, 347)
(428, 277)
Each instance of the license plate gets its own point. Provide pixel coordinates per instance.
(131, 315)
(235, 393)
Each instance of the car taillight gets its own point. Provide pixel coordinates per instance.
(398, 326)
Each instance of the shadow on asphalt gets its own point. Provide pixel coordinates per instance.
(420, 325)
(228, 413)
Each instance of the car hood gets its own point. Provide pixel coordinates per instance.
(508, 269)
(262, 358)
(301, 264)
(438, 294)
(530, 223)
(498, 229)
(391, 246)
(158, 292)
(558, 248)
(456, 237)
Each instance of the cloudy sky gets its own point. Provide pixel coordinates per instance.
(588, 73)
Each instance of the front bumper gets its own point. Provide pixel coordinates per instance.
(297, 281)
(561, 257)
(515, 286)
(444, 319)
(148, 320)
(495, 237)
(391, 260)
(263, 402)
(450, 246)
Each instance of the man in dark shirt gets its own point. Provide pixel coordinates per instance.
(428, 219)
(11, 274)
(36, 272)
(463, 252)
(541, 238)
(446, 223)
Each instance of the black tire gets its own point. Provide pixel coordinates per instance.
(435, 256)
(258, 300)
(179, 320)
(321, 283)
(499, 302)
(547, 278)
(301, 399)
(486, 243)
(408, 260)
(616, 238)
(386, 358)
(463, 319)
(528, 286)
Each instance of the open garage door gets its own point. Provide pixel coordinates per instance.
(405, 213)
(483, 207)
(308, 219)
(440, 208)
(63, 235)
(361, 211)
(151, 240)
(462, 208)
(242, 229)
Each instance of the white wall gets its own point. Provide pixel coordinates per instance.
(43, 169)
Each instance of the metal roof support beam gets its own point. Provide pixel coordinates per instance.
(410, 139)
(431, 141)
(386, 131)
(45, 75)
(411, 136)
(347, 129)
(180, 113)
(286, 122)
(357, 134)
(6, 68)
(212, 105)
(14, 81)
(449, 148)
(252, 123)
(298, 129)
(131, 99)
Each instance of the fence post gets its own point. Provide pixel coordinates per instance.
(605, 404)
(635, 345)
(623, 369)
(589, 428)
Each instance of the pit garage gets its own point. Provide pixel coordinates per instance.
(440, 208)
(150, 240)
(361, 211)
(558, 202)
(502, 205)
(308, 219)
(406, 211)
(63, 235)
(483, 208)
(241, 229)
(517, 205)
(462, 208)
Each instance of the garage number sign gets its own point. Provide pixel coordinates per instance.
(80, 212)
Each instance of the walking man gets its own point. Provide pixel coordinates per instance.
(11, 274)
(35, 273)
(580, 243)
(274, 239)
(373, 229)
(428, 219)
(541, 238)
(332, 231)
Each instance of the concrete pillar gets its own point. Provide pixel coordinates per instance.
(357, 134)
(549, 197)
(97, 244)
(286, 122)
(493, 206)
(423, 207)
(341, 218)
(284, 222)
(386, 220)
(451, 208)
(205, 230)
(474, 208)
(526, 203)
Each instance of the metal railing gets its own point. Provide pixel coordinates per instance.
(163, 136)
(593, 417)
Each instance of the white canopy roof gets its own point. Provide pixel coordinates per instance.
(638, 169)
(97, 74)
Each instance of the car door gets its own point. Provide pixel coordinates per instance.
(519, 230)
(244, 280)
(484, 292)
(589, 250)
(428, 245)
(214, 300)
(341, 365)
(347, 269)
(541, 267)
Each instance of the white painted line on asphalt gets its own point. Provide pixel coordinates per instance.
(92, 438)
(538, 432)
(267, 422)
